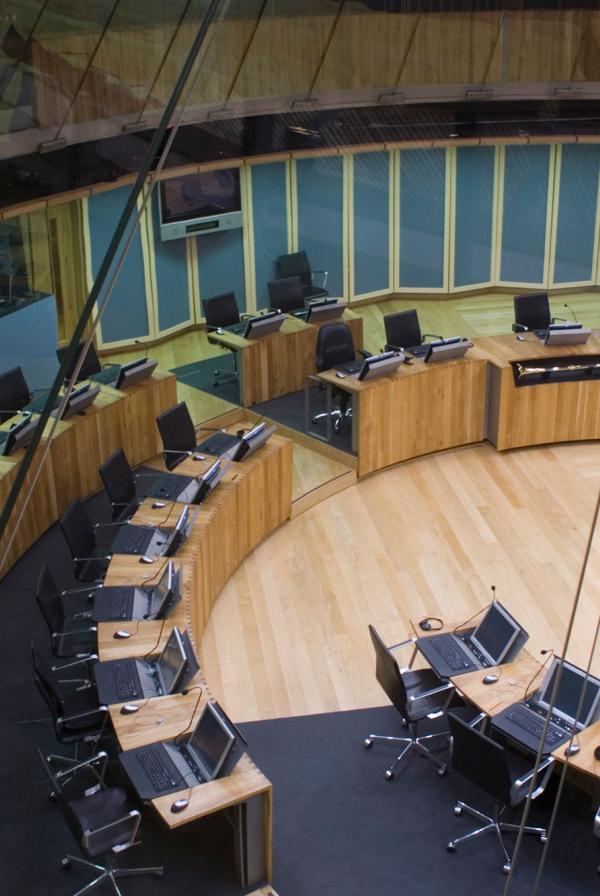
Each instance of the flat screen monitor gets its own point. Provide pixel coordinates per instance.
(18, 436)
(380, 365)
(567, 334)
(210, 479)
(324, 310)
(79, 399)
(210, 742)
(263, 324)
(134, 372)
(253, 440)
(14, 393)
(180, 532)
(447, 349)
(573, 684)
(495, 634)
(200, 203)
(171, 662)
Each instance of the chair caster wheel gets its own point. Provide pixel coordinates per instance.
(543, 838)
(52, 796)
(65, 863)
(367, 743)
(506, 868)
(457, 810)
(389, 775)
(160, 873)
(450, 847)
(443, 771)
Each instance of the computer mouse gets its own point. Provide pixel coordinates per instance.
(144, 559)
(340, 375)
(572, 749)
(425, 624)
(490, 679)
(521, 338)
(179, 805)
(220, 332)
(128, 709)
(158, 504)
(597, 752)
(121, 634)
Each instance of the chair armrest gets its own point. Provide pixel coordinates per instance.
(479, 718)
(77, 661)
(247, 315)
(431, 336)
(128, 823)
(520, 328)
(90, 594)
(323, 274)
(100, 712)
(70, 770)
(402, 644)
(364, 353)
(545, 766)
(98, 557)
(448, 686)
(597, 823)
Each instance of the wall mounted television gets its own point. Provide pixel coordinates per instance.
(197, 204)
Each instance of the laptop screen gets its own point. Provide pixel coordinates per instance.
(572, 684)
(211, 741)
(171, 662)
(495, 634)
(164, 584)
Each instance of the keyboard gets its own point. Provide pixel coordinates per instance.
(351, 367)
(161, 776)
(132, 540)
(107, 375)
(126, 680)
(169, 486)
(418, 350)
(218, 443)
(120, 603)
(238, 329)
(526, 722)
(452, 654)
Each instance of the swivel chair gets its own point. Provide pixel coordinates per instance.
(504, 776)
(416, 695)
(102, 819)
(296, 265)
(70, 635)
(532, 312)
(119, 482)
(91, 367)
(403, 331)
(286, 294)
(15, 394)
(222, 311)
(89, 560)
(178, 434)
(597, 827)
(335, 346)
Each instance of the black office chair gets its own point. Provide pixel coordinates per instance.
(532, 312)
(296, 265)
(103, 820)
(119, 482)
(14, 393)
(70, 635)
(504, 776)
(222, 311)
(286, 294)
(90, 367)
(597, 828)
(79, 718)
(416, 695)
(403, 331)
(178, 434)
(335, 346)
(89, 560)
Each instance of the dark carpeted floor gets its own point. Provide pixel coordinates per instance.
(339, 827)
(200, 375)
(289, 410)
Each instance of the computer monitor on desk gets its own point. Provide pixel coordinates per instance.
(447, 349)
(18, 436)
(380, 365)
(78, 401)
(134, 372)
(567, 334)
(263, 324)
(324, 310)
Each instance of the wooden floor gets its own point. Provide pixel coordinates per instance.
(288, 635)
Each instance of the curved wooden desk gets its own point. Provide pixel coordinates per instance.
(252, 499)
(116, 420)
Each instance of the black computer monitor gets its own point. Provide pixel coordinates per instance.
(573, 683)
(210, 479)
(14, 393)
(79, 399)
(134, 372)
(18, 436)
(263, 324)
(171, 662)
(253, 440)
(90, 366)
(212, 741)
(178, 534)
(380, 365)
(495, 634)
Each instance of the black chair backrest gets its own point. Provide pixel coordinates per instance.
(119, 482)
(286, 294)
(387, 673)
(91, 362)
(14, 392)
(295, 265)
(177, 433)
(49, 601)
(402, 329)
(44, 679)
(480, 759)
(533, 311)
(335, 345)
(78, 531)
(221, 311)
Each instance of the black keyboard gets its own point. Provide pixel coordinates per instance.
(238, 329)
(526, 722)
(169, 486)
(126, 679)
(107, 375)
(120, 603)
(132, 539)
(350, 367)
(418, 350)
(161, 776)
(218, 443)
(452, 654)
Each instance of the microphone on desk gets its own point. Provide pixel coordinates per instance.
(15, 411)
(155, 645)
(144, 345)
(569, 308)
(184, 693)
(183, 453)
(548, 653)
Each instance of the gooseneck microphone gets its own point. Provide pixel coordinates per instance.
(144, 345)
(570, 309)
(548, 653)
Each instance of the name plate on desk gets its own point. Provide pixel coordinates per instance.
(563, 369)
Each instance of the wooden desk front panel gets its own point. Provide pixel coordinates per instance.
(419, 411)
(541, 414)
